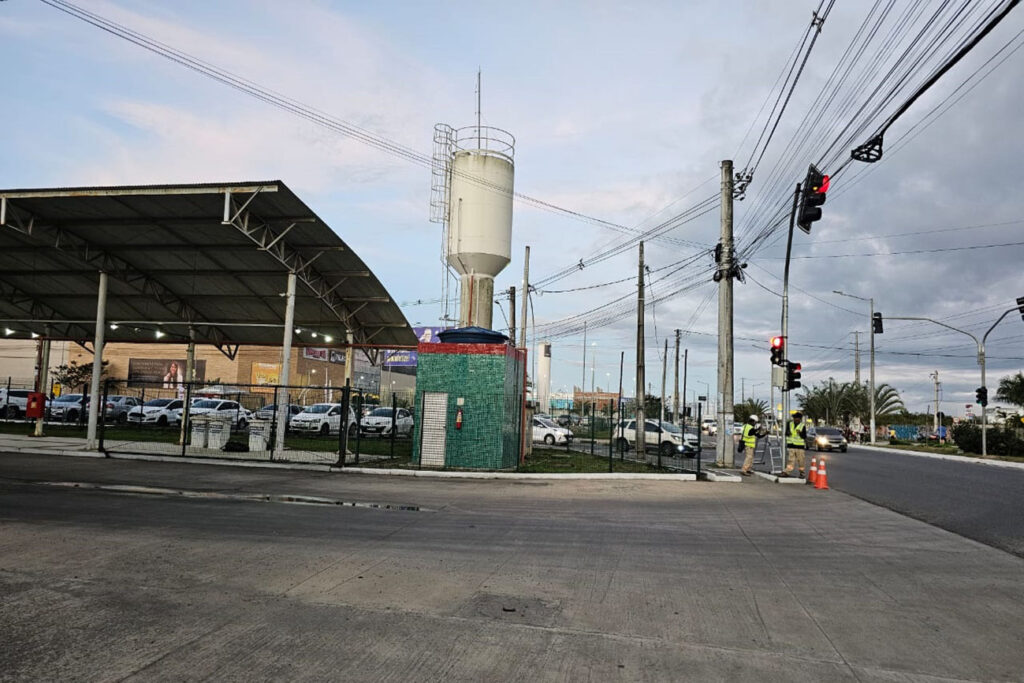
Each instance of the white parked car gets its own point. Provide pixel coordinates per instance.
(709, 426)
(161, 412)
(669, 438)
(13, 402)
(215, 407)
(324, 419)
(378, 423)
(547, 431)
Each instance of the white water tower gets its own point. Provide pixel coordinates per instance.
(472, 187)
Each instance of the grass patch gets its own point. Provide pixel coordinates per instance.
(950, 449)
(553, 461)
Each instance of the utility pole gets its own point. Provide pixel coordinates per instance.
(935, 376)
(723, 438)
(686, 357)
(526, 296)
(675, 391)
(664, 369)
(641, 424)
(856, 357)
(583, 387)
(512, 314)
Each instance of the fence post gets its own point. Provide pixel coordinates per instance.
(394, 422)
(7, 398)
(700, 448)
(359, 422)
(593, 426)
(186, 417)
(346, 401)
(611, 441)
(103, 416)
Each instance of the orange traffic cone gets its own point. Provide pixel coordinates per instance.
(812, 474)
(821, 481)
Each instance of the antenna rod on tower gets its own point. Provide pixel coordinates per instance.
(478, 95)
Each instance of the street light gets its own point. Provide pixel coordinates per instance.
(871, 390)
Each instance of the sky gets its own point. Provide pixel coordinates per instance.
(621, 111)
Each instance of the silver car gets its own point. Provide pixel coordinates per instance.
(826, 439)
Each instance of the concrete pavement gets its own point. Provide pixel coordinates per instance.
(490, 580)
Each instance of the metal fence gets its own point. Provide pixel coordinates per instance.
(602, 440)
(333, 425)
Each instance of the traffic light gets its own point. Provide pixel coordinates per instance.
(876, 323)
(812, 196)
(778, 350)
(792, 375)
(981, 396)
(1020, 306)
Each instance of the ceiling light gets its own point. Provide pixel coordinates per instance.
(8, 331)
(298, 331)
(159, 334)
(313, 335)
(328, 338)
(33, 335)
(113, 326)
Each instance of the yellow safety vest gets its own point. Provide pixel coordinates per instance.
(794, 438)
(749, 438)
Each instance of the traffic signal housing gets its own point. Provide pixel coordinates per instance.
(778, 350)
(876, 323)
(812, 196)
(981, 394)
(792, 375)
(1020, 307)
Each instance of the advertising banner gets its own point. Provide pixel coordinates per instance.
(168, 372)
(322, 354)
(265, 374)
(407, 358)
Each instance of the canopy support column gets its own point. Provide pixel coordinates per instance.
(43, 374)
(190, 375)
(282, 400)
(97, 362)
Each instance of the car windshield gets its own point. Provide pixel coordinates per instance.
(206, 403)
(318, 408)
(158, 402)
(381, 412)
(68, 398)
(828, 431)
(270, 407)
(669, 427)
(546, 422)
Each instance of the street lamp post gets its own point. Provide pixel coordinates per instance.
(871, 320)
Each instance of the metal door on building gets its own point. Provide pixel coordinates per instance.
(435, 424)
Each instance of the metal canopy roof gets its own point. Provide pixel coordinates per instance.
(211, 256)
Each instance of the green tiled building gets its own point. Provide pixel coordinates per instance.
(469, 406)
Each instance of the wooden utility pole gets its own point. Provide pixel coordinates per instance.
(526, 296)
(641, 424)
(664, 369)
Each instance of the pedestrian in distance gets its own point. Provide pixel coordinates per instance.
(796, 443)
(752, 431)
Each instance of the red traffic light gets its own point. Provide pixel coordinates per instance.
(777, 342)
(823, 188)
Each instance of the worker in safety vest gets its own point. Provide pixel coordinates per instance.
(796, 442)
(749, 439)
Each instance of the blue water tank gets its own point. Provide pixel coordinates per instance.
(471, 335)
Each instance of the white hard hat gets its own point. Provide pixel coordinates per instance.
(754, 418)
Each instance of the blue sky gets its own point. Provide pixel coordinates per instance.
(619, 110)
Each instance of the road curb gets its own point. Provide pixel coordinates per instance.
(779, 480)
(942, 456)
(722, 477)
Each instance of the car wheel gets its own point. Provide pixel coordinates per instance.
(242, 423)
(352, 431)
(623, 445)
(12, 412)
(122, 418)
(668, 448)
(325, 430)
(843, 449)
(71, 416)
(161, 421)
(549, 439)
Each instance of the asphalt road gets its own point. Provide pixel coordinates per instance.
(977, 501)
(559, 580)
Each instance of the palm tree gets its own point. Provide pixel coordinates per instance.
(887, 401)
(1011, 389)
(743, 411)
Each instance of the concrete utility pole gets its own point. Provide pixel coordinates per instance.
(526, 296)
(664, 369)
(641, 424)
(723, 437)
(675, 391)
(935, 376)
(871, 321)
(97, 363)
(512, 314)
(583, 386)
(856, 358)
(686, 358)
(286, 356)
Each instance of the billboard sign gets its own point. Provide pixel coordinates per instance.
(323, 354)
(264, 375)
(408, 358)
(169, 373)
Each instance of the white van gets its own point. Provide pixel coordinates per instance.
(323, 419)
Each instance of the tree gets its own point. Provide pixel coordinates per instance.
(743, 411)
(1011, 389)
(836, 402)
(72, 375)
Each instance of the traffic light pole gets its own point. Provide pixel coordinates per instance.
(785, 326)
(981, 361)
